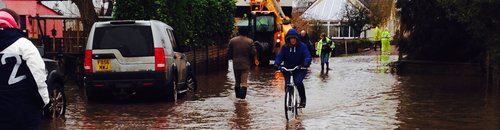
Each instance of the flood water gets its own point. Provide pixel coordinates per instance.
(358, 93)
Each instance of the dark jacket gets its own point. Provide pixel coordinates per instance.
(306, 40)
(20, 101)
(9, 36)
(241, 51)
(292, 55)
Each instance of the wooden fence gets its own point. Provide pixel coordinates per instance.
(212, 58)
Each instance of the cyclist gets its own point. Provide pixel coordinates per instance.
(23, 91)
(294, 53)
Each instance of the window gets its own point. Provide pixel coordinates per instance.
(171, 36)
(346, 31)
(265, 24)
(131, 41)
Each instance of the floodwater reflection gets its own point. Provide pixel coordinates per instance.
(353, 95)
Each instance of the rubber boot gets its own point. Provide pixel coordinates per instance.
(243, 92)
(237, 91)
(322, 67)
(302, 104)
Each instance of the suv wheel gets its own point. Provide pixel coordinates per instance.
(191, 84)
(172, 89)
(91, 96)
(262, 57)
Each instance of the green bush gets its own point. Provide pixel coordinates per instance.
(197, 23)
(447, 30)
(134, 9)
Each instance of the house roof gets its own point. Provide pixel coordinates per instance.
(66, 8)
(328, 10)
(325, 10)
(29, 7)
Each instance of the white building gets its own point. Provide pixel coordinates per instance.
(302, 5)
(330, 13)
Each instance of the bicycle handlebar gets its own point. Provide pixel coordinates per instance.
(295, 68)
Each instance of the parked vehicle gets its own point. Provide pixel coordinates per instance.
(126, 57)
(55, 82)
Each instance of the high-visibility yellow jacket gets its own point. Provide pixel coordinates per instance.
(319, 47)
(386, 42)
(386, 35)
(378, 34)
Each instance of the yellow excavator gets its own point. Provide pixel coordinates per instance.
(269, 25)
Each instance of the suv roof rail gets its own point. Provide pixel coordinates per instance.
(122, 22)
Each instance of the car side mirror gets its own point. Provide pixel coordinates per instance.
(40, 50)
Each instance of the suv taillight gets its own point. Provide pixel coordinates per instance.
(278, 37)
(160, 63)
(87, 61)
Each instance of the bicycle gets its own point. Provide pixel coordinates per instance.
(291, 97)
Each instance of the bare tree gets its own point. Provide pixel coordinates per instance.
(380, 11)
(110, 8)
(297, 21)
(88, 15)
(357, 17)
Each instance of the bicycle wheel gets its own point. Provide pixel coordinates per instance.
(295, 102)
(289, 101)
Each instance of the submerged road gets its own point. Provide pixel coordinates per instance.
(358, 93)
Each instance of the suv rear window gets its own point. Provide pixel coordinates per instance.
(131, 41)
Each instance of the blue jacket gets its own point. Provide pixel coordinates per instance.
(293, 55)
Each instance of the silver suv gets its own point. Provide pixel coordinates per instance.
(126, 57)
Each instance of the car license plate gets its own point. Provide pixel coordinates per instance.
(103, 65)
(124, 85)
